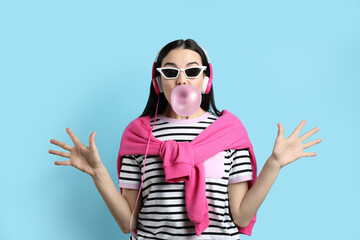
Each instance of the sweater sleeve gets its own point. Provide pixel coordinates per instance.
(130, 174)
(240, 169)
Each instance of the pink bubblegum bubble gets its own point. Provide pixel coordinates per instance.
(185, 99)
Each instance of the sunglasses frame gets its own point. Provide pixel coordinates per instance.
(202, 69)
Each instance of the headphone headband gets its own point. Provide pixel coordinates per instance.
(157, 55)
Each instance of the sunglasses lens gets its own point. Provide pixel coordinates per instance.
(193, 72)
(170, 73)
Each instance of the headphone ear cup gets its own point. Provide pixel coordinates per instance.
(158, 81)
(154, 80)
(205, 84)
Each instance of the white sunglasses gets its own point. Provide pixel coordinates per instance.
(173, 73)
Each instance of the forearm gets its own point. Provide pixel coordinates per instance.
(115, 202)
(255, 196)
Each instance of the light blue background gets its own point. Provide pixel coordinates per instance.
(87, 65)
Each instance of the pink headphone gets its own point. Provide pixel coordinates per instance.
(157, 80)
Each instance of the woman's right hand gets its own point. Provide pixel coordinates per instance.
(84, 158)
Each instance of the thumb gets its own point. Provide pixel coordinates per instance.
(280, 131)
(92, 145)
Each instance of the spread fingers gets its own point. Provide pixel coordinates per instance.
(62, 154)
(311, 143)
(63, 163)
(60, 144)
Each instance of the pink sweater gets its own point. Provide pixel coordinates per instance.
(183, 161)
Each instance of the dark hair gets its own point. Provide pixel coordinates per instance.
(207, 99)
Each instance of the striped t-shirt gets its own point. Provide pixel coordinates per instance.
(163, 215)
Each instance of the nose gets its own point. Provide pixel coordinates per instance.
(181, 79)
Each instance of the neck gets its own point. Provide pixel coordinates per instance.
(169, 112)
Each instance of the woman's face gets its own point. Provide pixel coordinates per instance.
(181, 58)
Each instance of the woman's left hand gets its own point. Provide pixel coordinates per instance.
(290, 149)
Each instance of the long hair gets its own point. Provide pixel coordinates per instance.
(207, 100)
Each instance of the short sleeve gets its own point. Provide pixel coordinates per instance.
(130, 174)
(240, 169)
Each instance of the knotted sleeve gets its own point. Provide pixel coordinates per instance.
(178, 160)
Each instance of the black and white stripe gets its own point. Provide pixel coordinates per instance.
(163, 215)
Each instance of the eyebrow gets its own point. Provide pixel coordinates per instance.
(173, 64)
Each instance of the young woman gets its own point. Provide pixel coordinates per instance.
(233, 191)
